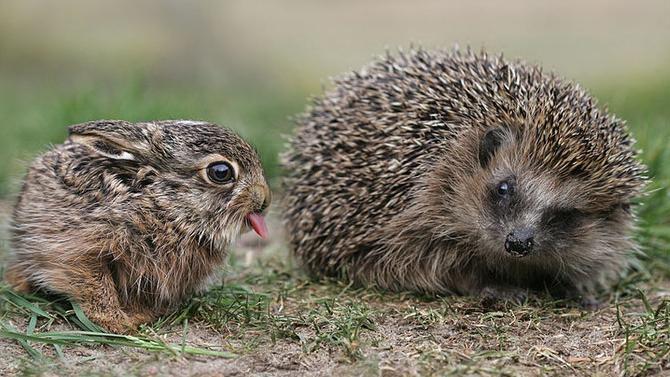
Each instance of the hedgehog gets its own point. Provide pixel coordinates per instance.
(458, 172)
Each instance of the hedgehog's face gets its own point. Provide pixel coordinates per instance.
(524, 212)
(518, 210)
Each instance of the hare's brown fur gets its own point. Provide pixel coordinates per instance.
(120, 219)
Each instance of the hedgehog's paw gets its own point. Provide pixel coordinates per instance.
(500, 297)
(590, 303)
(585, 301)
(581, 299)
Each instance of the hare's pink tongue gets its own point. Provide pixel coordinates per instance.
(257, 222)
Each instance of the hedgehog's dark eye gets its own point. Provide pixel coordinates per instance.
(505, 188)
(220, 172)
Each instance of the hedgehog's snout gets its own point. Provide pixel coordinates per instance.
(520, 242)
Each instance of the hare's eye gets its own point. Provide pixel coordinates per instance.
(220, 172)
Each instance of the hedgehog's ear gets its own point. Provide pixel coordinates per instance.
(113, 138)
(491, 141)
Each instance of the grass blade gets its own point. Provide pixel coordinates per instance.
(88, 337)
(84, 322)
(13, 298)
(34, 353)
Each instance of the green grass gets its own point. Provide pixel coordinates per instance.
(45, 313)
(322, 319)
(34, 119)
(647, 336)
(271, 305)
(644, 106)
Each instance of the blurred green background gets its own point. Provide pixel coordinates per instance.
(251, 65)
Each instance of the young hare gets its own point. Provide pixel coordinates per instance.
(130, 219)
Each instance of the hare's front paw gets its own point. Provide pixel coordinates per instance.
(121, 322)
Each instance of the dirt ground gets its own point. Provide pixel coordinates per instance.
(327, 328)
(410, 337)
(363, 332)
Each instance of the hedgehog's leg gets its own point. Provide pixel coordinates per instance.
(585, 300)
(573, 295)
(495, 296)
(589, 302)
(469, 282)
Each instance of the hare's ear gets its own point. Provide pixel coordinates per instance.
(115, 139)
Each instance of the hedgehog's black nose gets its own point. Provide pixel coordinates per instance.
(520, 242)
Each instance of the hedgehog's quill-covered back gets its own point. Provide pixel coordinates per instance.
(461, 172)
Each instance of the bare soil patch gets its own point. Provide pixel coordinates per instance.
(288, 325)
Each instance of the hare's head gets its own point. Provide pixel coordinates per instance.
(201, 180)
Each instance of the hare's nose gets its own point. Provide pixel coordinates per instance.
(261, 196)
